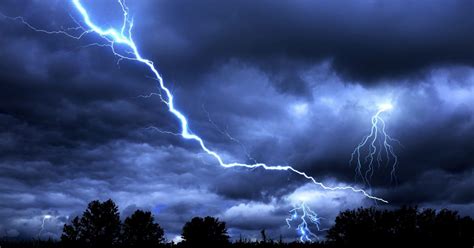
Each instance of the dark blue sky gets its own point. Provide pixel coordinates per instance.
(295, 82)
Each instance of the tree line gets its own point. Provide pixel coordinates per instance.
(406, 226)
(100, 227)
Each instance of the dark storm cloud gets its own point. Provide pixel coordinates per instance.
(276, 82)
(366, 41)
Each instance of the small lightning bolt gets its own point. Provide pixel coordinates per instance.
(120, 39)
(46, 217)
(378, 145)
(305, 214)
(226, 133)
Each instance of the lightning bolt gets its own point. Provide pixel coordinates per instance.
(46, 217)
(378, 144)
(307, 215)
(120, 39)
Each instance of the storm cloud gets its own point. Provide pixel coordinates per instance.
(287, 83)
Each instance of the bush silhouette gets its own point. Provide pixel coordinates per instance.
(205, 232)
(140, 230)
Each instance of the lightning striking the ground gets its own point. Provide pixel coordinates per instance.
(378, 145)
(305, 215)
(123, 46)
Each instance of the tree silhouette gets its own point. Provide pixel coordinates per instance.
(207, 232)
(364, 227)
(140, 230)
(99, 226)
(402, 227)
(70, 236)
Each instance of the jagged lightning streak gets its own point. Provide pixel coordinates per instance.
(307, 215)
(377, 143)
(46, 217)
(123, 38)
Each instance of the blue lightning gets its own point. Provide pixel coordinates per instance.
(378, 143)
(123, 37)
(46, 217)
(226, 134)
(303, 228)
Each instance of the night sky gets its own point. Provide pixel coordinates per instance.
(282, 82)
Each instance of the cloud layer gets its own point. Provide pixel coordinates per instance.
(282, 83)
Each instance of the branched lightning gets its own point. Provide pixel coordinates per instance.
(153, 128)
(120, 39)
(226, 133)
(305, 214)
(378, 145)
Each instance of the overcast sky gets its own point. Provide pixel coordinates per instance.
(282, 82)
